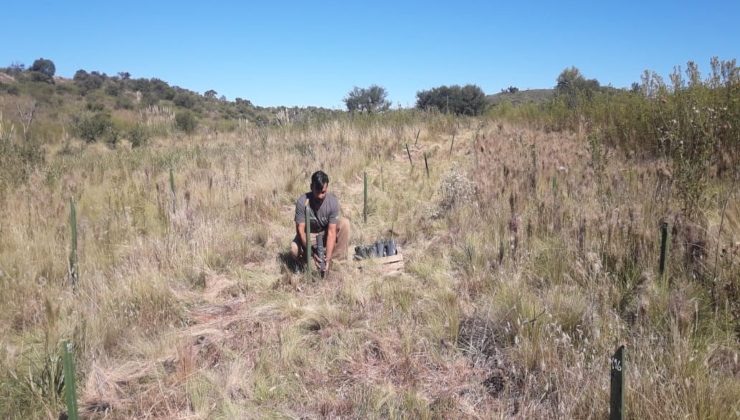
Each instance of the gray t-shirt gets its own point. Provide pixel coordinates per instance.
(327, 214)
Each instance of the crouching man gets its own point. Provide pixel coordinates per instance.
(326, 225)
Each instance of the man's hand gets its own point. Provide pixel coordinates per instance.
(316, 259)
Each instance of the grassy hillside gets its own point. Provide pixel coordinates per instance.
(531, 249)
(63, 106)
(536, 96)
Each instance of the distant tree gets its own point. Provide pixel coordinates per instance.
(244, 102)
(16, 68)
(161, 89)
(210, 94)
(87, 82)
(466, 100)
(44, 66)
(573, 87)
(113, 87)
(152, 90)
(184, 99)
(124, 75)
(472, 100)
(510, 89)
(80, 75)
(571, 79)
(372, 99)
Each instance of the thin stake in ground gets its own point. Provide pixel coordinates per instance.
(364, 199)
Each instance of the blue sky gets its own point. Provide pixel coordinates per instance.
(314, 52)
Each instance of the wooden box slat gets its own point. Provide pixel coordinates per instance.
(390, 265)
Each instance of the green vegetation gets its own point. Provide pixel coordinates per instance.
(509, 97)
(42, 70)
(572, 88)
(93, 126)
(371, 99)
(691, 121)
(138, 136)
(186, 121)
(94, 106)
(466, 100)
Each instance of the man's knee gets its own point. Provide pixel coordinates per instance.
(343, 225)
(294, 249)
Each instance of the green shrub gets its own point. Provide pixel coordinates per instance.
(44, 66)
(465, 100)
(186, 121)
(575, 89)
(113, 88)
(92, 127)
(94, 106)
(184, 99)
(138, 136)
(372, 99)
(124, 102)
(11, 89)
(692, 122)
(111, 136)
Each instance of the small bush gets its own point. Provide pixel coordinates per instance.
(124, 102)
(87, 82)
(111, 136)
(139, 136)
(454, 189)
(10, 89)
(184, 99)
(186, 121)
(92, 127)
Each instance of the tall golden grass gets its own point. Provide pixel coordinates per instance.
(530, 256)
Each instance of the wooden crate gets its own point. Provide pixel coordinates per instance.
(387, 266)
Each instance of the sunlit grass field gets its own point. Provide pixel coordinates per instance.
(530, 256)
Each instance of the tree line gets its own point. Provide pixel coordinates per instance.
(455, 99)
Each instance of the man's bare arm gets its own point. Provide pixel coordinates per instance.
(331, 240)
(301, 232)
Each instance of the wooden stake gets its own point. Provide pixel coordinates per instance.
(172, 190)
(73, 266)
(663, 247)
(308, 238)
(616, 403)
(364, 199)
(70, 391)
(426, 164)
